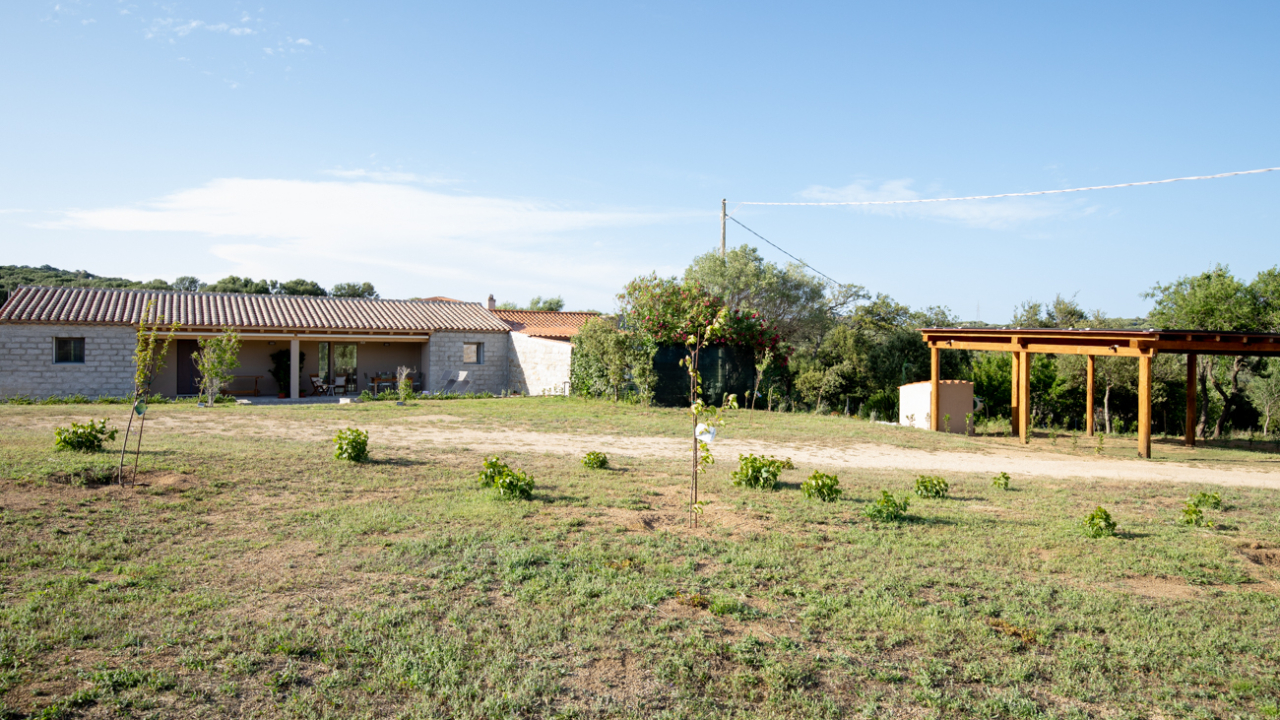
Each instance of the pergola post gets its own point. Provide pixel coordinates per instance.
(293, 369)
(1144, 405)
(1014, 383)
(1088, 398)
(1189, 434)
(1024, 401)
(935, 370)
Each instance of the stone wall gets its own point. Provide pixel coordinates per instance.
(539, 366)
(27, 367)
(444, 353)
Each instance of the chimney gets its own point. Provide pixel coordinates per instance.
(493, 304)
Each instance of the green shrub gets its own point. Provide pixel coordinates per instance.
(515, 484)
(86, 437)
(509, 483)
(1211, 500)
(822, 486)
(1099, 524)
(1001, 481)
(887, 508)
(760, 472)
(932, 486)
(595, 460)
(352, 444)
(1194, 516)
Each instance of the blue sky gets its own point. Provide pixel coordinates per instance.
(524, 149)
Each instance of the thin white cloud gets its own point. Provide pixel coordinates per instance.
(303, 41)
(995, 214)
(259, 226)
(390, 176)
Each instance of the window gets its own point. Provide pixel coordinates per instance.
(473, 353)
(68, 350)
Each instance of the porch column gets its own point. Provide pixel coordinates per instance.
(1088, 398)
(935, 423)
(1013, 401)
(1024, 399)
(1144, 404)
(1189, 435)
(293, 369)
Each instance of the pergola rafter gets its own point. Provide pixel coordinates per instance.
(1143, 345)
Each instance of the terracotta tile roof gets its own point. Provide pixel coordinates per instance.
(437, 298)
(214, 310)
(545, 323)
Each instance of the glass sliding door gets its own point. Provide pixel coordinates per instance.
(325, 374)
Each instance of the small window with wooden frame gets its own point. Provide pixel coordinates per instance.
(68, 351)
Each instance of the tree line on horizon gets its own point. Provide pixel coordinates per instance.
(12, 276)
(846, 350)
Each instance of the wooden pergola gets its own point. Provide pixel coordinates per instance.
(1141, 344)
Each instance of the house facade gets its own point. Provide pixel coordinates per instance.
(541, 351)
(62, 341)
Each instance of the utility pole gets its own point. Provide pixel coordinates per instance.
(723, 216)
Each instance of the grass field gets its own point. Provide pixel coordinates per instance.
(250, 574)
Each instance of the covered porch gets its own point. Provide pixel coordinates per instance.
(313, 363)
(1143, 345)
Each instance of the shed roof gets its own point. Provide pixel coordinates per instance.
(1130, 343)
(545, 323)
(113, 306)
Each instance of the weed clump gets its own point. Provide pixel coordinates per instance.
(351, 444)
(83, 437)
(1211, 500)
(509, 483)
(760, 472)
(932, 486)
(1001, 481)
(1192, 515)
(1099, 524)
(822, 486)
(887, 508)
(595, 460)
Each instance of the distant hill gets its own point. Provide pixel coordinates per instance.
(11, 276)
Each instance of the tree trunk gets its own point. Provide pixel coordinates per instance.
(1106, 409)
(1228, 395)
(1202, 425)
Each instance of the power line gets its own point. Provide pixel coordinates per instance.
(1025, 194)
(784, 252)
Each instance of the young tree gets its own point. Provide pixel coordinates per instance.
(148, 358)
(215, 359)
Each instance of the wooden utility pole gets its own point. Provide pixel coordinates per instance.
(723, 218)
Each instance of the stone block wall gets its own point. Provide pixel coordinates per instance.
(538, 366)
(27, 366)
(444, 355)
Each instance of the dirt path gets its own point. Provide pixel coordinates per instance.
(860, 455)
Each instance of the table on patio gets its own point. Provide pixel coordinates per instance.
(254, 392)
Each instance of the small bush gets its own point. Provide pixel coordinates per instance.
(83, 437)
(887, 508)
(822, 486)
(1099, 524)
(760, 472)
(595, 460)
(351, 444)
(932, 486)
(1211, 500)
(1001, 481)
(509, 483)
(1194, 516)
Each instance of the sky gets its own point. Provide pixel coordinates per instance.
(522, 149)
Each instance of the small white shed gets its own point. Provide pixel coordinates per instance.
(956, 400)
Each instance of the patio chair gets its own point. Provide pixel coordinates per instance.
(321, 388)
(339, 383)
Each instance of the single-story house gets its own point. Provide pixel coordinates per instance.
(541, 347)
(62, 341)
